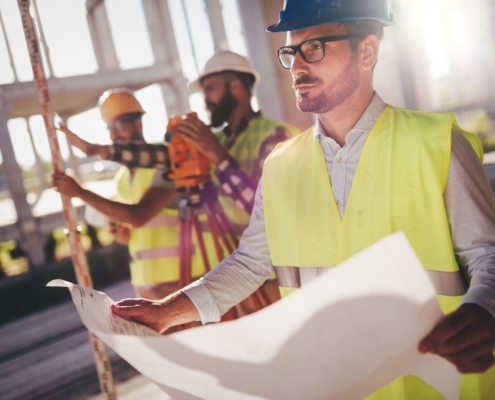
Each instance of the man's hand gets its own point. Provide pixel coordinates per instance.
(121, 233)
(160, 315)
(89, 148)
(465, 338)
(193, 129)
(66, 185)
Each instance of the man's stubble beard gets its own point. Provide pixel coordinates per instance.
(333, 95)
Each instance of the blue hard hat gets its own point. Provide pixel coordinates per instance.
(299, 14)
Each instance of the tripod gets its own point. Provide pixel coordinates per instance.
(203, 200)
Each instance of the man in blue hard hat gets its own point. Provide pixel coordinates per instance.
(419, 173)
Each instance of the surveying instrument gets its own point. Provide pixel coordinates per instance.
(198, 200)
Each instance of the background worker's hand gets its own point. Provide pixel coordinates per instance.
(465, 338)
(201, 136)
(121, 233)
(160, 315)
(66, 185)
(89, 148)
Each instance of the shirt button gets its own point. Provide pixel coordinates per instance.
(338, 203)
(339, 161)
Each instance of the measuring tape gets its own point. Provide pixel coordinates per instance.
(78, 256)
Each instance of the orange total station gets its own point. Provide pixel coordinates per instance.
(189, 166)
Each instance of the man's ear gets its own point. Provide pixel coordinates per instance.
(139, 126)
(236, 88)
(369, 49)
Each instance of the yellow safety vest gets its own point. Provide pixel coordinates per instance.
(398, 186)
(246, 152)
(154, 248)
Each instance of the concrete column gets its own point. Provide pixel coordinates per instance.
(155, 29)
(101, 36)
(32, 241)
(262, 56)
(171, 100)
(40, 168)
(73, 160)
(214, 11)
(176, 94)
(9, 51)
(164, 47)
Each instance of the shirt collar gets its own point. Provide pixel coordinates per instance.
(240, 128)
(365, 123)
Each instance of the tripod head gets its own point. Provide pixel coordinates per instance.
(189, 167)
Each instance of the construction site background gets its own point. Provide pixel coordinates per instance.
(439, 57)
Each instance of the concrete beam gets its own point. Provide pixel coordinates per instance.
(76, 94)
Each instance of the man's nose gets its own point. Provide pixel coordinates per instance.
(299, 66)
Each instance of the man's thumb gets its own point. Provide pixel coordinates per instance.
(129, 308)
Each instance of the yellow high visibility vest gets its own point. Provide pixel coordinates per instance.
(398, 186)
(246, 151)
(154, 248)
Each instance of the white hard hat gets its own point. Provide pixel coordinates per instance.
(224, 60)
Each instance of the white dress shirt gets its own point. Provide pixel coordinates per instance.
(468, 200)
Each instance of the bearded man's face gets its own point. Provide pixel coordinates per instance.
(218, 98)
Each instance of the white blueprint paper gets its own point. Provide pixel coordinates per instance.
(343, 336)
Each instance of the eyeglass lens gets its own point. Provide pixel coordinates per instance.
(312, 51)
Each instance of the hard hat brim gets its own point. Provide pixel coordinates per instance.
(195, 85)
(294, 26)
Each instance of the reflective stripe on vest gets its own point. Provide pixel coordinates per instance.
(160, 252)
(445, 283)
(170, 220)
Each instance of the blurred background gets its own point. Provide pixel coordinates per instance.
(439, 57)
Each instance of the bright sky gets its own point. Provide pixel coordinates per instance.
(71, 53)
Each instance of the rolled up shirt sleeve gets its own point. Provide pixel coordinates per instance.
(471, 211)
(238, 275)
(236, 183)
(139, 155)
(240, 185)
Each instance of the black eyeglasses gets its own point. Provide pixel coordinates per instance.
(312, 50)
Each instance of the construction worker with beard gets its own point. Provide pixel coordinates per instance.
(237, 152)
(416, 172)
(145, 215)
(241, 147)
